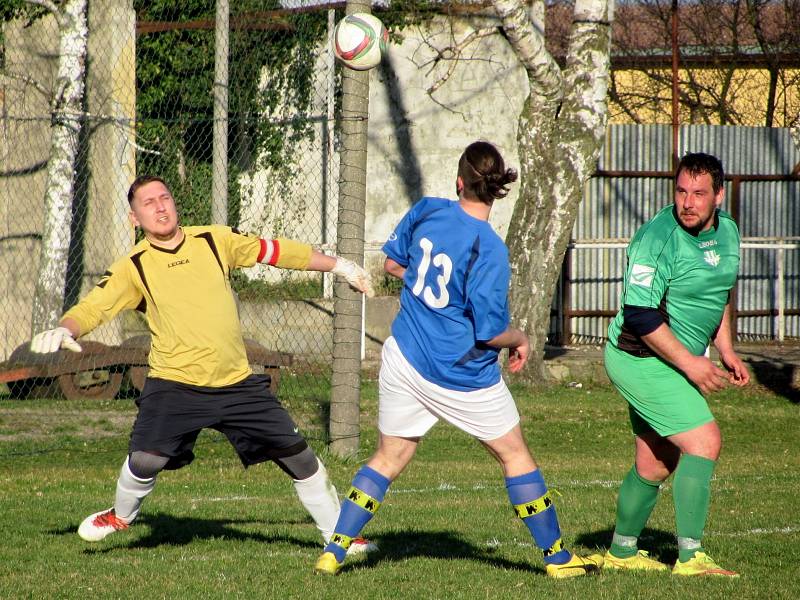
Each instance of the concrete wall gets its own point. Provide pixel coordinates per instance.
(306, 327)
(414, 139)
(104, 170)
(24, 150)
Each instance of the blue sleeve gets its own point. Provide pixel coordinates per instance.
(487, 295)
(399, 242)
(642, 320)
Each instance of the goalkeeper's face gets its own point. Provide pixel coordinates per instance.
(153, 209)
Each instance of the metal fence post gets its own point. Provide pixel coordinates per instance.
(219, 180)
(347, 320)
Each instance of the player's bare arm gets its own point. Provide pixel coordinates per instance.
(72, 325)
(699, 369)
(394, 268)
(519, 347)
(354, 274)
(723, 341)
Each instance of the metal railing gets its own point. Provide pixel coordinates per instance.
(779, 310)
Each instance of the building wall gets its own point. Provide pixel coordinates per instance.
(104, 169)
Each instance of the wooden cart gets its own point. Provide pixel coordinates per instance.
(98, 372)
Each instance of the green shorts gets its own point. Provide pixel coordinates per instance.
(660, 398)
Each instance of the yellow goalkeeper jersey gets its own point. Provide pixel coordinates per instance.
(185, 294)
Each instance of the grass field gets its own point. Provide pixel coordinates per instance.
(445, 531)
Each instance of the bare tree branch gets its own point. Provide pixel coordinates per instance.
(720, 43)
(528, 42)
(453, 54)
(52, 7)
(29, 80)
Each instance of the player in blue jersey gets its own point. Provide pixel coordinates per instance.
(441, 360)
(682, 265)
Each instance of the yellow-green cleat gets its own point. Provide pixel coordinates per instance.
(640, 561)
(576, 566)
(327, 564)
(701, 564)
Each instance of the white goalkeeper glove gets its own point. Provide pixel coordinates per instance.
(54, 339)
(355, 275)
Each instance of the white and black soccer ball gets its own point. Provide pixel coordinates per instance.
(359, 41)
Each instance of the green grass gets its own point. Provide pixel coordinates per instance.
(446, 529)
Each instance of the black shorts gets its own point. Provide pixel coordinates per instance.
(171, 415)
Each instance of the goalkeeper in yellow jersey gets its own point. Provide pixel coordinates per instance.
(199, 376)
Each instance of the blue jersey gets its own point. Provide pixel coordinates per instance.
(455, 294)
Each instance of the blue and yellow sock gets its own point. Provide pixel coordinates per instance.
(360, 504)
(529, 496)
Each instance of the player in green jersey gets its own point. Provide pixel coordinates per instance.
(681, 267)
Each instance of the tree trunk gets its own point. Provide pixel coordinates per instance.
(540, 228)
(48, 303)
(346, 378)
(219, 181)
(560, 136)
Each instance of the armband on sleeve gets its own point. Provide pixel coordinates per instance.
(642, 320)
(285, 254)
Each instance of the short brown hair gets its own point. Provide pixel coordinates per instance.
(698, 163)
(141, 181)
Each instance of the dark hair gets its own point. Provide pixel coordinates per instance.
(484, 173)
(142, 181)
(698, 163)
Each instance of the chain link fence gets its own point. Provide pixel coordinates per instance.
(136, 87)
(151, 104)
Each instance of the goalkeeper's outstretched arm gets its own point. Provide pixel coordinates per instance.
(289, 254)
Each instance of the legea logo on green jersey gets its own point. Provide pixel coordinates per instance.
(642, 275)
(711, 257)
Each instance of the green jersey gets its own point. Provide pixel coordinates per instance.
(687, 278)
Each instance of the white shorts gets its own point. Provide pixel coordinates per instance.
(409, 405)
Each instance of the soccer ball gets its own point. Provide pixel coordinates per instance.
(359, 41)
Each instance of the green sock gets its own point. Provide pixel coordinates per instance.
(691, 491)
(637, 497)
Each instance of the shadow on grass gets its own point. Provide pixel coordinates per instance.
(165, 529)
(660, 544)
(781, 378)
(434, 544)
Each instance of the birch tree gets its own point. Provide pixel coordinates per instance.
(560, 134)
(66, 111)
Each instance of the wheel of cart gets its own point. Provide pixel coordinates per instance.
(96, 372)
(138, 348)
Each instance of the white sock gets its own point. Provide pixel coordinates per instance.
(320, 499)
(131, 491)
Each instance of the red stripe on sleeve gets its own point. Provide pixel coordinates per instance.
(276, 252)
(263, 251)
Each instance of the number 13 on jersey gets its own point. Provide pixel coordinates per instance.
(441, 261)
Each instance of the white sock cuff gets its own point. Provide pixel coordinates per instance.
(626, 541)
